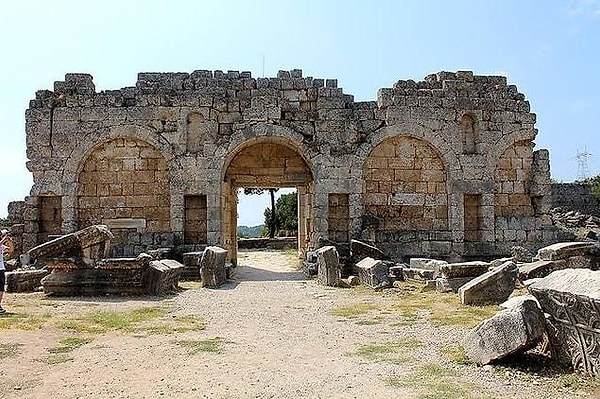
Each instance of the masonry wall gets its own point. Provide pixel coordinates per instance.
(403, 165)
(575, 196)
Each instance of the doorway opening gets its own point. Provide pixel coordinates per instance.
(267, 163)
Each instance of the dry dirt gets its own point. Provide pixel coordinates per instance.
(274, 334)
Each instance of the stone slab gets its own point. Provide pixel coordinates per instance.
(24, 280)
(464, 269)
(493, 287)
(212, 267)
(372, 272)
(329, 268)
(564, 250)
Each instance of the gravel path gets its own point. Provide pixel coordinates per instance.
(279, 339)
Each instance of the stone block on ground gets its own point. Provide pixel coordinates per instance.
(329, 268)
(24, 280)
(540, 268)
(564, 250)
(212, 267)
(492, 287)
(191, 265)
(161, 276)
(510, 331)
(310, 265)
(464, 269)
(571, 298)
(372, 272)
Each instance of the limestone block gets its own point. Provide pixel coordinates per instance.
(360, 250)
(510, 331)
(494, 286)
(191, 264)
(24, 280)
(571, 297)
(564, 250)
(212, 267)
(91, 242)
(464, 269)
(443, 284)
(372, 272)
(161, 276)
(329, 268)
(540, 268)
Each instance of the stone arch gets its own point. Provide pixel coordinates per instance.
(512, 176)
(405, 185)
(267, 162)
(124, 182)
(469, 134)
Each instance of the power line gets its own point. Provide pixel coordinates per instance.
(583, 171)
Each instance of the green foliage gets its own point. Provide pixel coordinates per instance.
(250, 231)
(212, 345)
(68, 344)
(595, 183)
(286, 213)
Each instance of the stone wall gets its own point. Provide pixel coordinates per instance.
(443, 167)
(575, 196)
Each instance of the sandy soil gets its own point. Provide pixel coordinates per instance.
(279, 338)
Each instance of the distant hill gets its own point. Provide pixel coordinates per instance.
(250, 231)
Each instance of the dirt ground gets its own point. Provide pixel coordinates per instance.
(269, 333)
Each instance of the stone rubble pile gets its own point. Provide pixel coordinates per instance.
(573, 219)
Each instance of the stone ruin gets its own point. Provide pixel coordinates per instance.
(563, 309)
(442, 167)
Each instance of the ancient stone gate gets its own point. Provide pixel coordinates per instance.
(443, 167)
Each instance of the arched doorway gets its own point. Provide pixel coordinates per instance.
(267, 162)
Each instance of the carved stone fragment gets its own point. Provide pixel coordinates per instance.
(329, 268)
(212, 267)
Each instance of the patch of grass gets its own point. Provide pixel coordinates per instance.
(370, 322)
(212, 345)
(435, 381)
(22, 321)
(355, 310)
(439, 309)
(103, 321)
(9, 350)
(68, 344)
(457, 354)
(396, 352)
(56, 359)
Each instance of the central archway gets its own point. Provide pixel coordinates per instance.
(267, 162)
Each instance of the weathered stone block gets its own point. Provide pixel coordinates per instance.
(24, 280)
(443, 284)
(372, 272)
(91, 243)
(464, 269)
(191, 263)
(161, 276)
(508, 332)
(360, 250)
(564, 250)
(329, 268)
(571, 297)
(540, 268)
(212, 267)
(494, 286)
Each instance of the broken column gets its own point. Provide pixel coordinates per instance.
(493, 287)
(329, 269)
(571, 297)
(212, 267)
(508, 332)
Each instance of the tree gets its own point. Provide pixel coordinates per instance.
(271, 219)
(286, 214)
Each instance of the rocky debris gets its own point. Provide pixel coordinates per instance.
(329, 267)
(191, 265)
(515, 301)
(396, 272)
(573, 219)
(310, 265)
(88, 244)
(373, 272)
(571, 298)
(353, 281)
(22, 280)
(510, 331)
(520, 254)
(213, 271)
(494, 286)
(455, 275)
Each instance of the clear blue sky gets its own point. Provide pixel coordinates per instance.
(549, 49)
